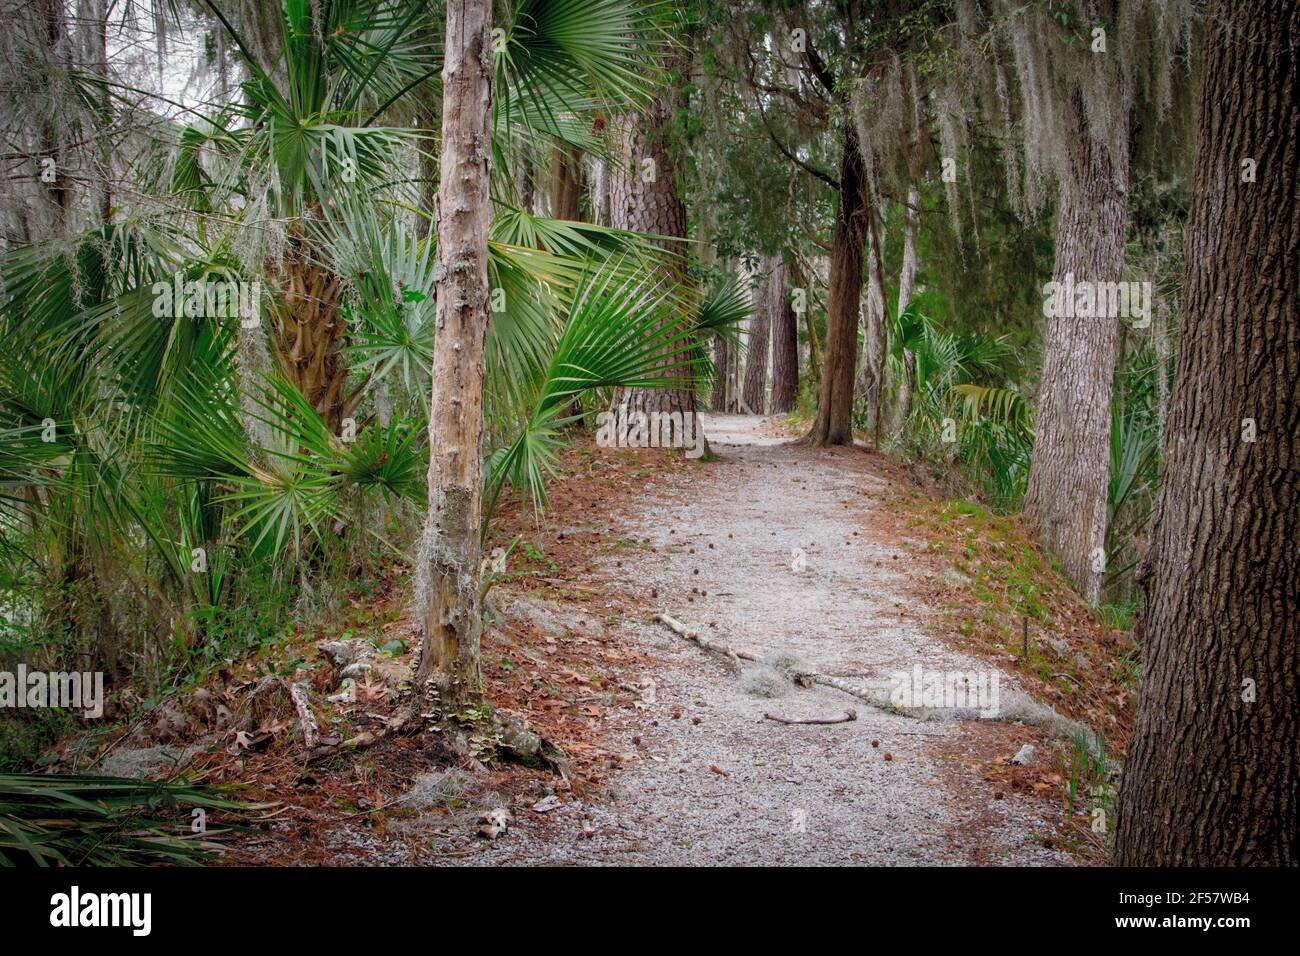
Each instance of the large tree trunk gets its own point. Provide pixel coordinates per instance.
(1213, 775)
(754, 391)
(643, 198)
(1069, 473)
(834, 422)
(448, 566)
(785, 341)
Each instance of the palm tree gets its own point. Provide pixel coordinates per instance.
(132, 442)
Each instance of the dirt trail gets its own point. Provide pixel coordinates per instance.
(720, 784)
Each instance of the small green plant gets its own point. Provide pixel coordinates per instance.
(1088, 781)
(1119, 617)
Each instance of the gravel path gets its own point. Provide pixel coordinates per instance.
(718, 783)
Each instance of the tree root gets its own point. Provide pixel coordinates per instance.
(513, 738)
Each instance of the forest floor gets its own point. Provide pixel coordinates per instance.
(831, 561)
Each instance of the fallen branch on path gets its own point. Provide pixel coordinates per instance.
(713, 647)
(849, 715)
(788, 667)
(845, 687)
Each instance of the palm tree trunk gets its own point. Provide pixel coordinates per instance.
(309, 331)
(1213, 770)
(448, 572)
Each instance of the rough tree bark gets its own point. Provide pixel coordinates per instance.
(566, 183)
(643, 197)
(785, 342)
(721, 368)
(1213, 774)
(447, 591)
(875, 328)
(768, 298)
(834, 422)
(1069, 472)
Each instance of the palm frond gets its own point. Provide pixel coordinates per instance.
(65, 820)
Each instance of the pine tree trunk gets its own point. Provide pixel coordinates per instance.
(643, 198)
(1069, 472)
(1213, 775)
(785, 342)
(834, 422)
(566, 183)
(721, 366)
(448, 565)
(754, 391)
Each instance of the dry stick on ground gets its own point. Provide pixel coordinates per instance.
(298, 694)
(715, 647)
(849, 715)
(802, 678)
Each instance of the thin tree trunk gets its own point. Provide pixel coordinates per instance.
(448, 567)
(1213, 773)
(721, 365)
(800, 281)
(875, 335)
(754, 391)
(906, 280)
(1069, 473)
(52, 135)
(785, 342)
(600, 194)
(566, 183)
(834, 422)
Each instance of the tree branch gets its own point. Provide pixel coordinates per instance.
(825, 177)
